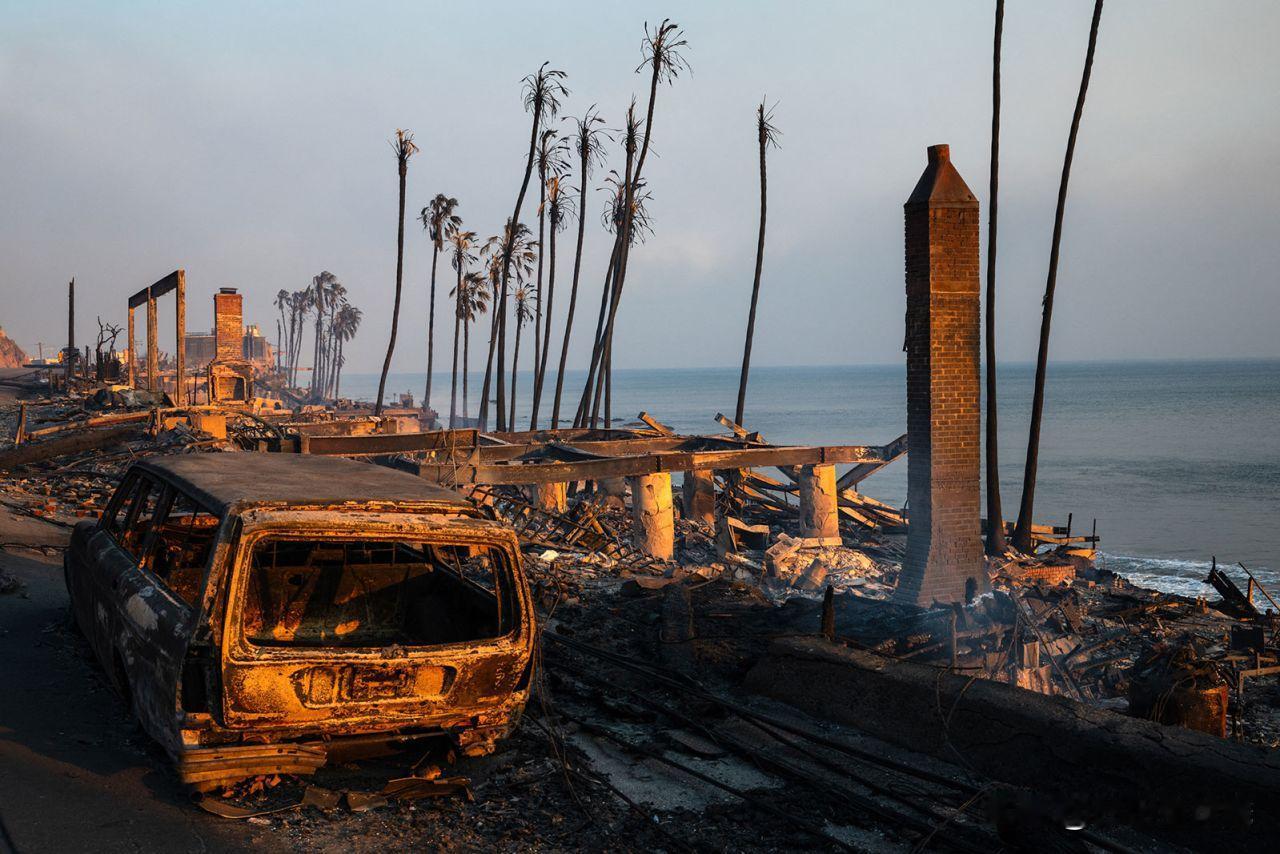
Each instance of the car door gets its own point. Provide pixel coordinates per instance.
(95, 559)
(148, 623)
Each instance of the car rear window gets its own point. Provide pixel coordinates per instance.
(374, 593)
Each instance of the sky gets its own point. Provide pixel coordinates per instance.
(248, 144)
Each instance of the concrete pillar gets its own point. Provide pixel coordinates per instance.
(153, 344)
(819, 510)
(652, 514)
(552, 497)
(943, 560)
(698, 496)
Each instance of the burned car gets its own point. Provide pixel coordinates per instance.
(265, 613)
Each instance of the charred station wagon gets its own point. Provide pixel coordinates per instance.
(264, 613)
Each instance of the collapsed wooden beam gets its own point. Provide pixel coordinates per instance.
(652, 463)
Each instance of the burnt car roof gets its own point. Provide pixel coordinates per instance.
(219, 480)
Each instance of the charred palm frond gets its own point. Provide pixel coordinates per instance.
(543, 91)
(439, 219)
(661, 49)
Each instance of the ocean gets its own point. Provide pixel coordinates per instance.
(1178, 462)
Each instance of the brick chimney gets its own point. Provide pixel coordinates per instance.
(228, 325)
(944, 560)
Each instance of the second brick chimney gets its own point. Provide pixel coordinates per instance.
(228, 325)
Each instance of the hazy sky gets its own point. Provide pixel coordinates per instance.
(247, 143)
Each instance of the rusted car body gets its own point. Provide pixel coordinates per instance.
(266, 613)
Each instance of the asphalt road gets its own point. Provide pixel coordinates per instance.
(76, 773)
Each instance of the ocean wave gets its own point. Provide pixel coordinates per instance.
(1183, 577)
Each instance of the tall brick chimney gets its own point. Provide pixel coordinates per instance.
(944, 552)
(228, 325)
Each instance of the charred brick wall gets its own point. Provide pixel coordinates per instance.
(228, 324)
(944, 551)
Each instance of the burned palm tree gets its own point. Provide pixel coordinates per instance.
(1022, 533)
(766, 135)
(523, 313)
(322, 294)
(542, 94)
(551, 164)
(438, 218)
(281, 303)
(474, 295)
(995, 513)
(462, 255)
(404, 149)
(661, 53)
(300, 304)
(560, 207)
(588, 142)
(626, 215)
(346, 324)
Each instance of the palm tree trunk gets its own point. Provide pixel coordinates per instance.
(608, 388)
(573, 295)
(337, 374)
(619, 278)
(1022, 534)
(316, 363)
(466, 361)
(537, 297)
(584, 403)
(395, 309)
(515, 365)
(431, 328)
(995, 515)
(623, 239)
(501, 307)
(457, 323)
(540, 368)
(755, 286)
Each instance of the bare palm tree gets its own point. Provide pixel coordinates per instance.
(661, 52)
(462, 250)
(404, 149)
(321, 295)
(995, 513)
(1022, 533)
(560, 207)
(281, 303)
(438, 218)
(551, 164)
(542, 93)
(766, 135)
(588, 143)
(523, 312)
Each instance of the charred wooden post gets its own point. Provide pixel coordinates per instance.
(132, 366)
(180, 353)
(153, 344)
(819, 508)
(698, 497)
(653, 519)
(71, 352)
(944, 551)
(552, 497)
